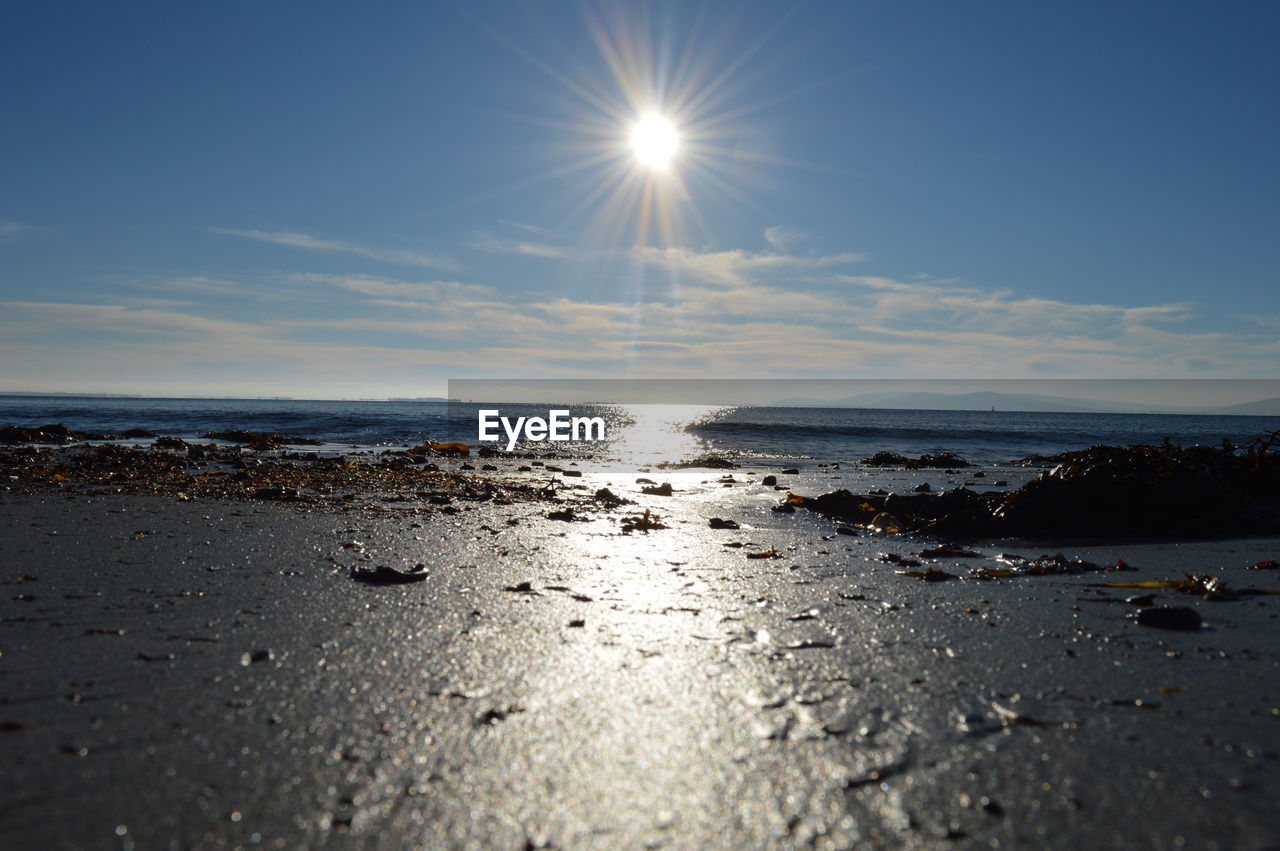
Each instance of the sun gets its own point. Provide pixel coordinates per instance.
(654, 142)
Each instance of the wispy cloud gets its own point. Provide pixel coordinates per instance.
(1263, 319)
(294, 239)
(734, 267)
(779, 314)
(429, 292)
(524, 226)
(528, 249)
(12, 231)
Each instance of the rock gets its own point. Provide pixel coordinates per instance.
(710, 461)
(52, 433)
(1182, 618)
(791, 471)
(260, 439)
(923, 487)
(843, 504)
(769, 481)
(720, 523)
(886, 523)
(845, 530)
(663, 489)
(277, 493)
(253, 657)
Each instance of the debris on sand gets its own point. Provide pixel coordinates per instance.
(386, 575)
(641, 523)
(1045, 565)
(948, 551)
(1204, 585)
(229, 472)
(611, 499)
(929, 574)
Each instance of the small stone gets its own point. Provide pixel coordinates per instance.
(1169, 617)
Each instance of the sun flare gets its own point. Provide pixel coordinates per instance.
(654, 141)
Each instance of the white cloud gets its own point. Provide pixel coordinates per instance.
(308, 242)
(783, 238)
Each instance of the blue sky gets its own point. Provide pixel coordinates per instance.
(360, 200)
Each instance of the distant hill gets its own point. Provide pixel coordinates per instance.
(1029, 402)
(1262, 407)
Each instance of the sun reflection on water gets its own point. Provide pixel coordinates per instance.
(653, 434)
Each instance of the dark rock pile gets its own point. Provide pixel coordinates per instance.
(1104, 491)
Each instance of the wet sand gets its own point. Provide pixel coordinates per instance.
(207, 673)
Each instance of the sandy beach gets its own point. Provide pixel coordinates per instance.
(207, 673)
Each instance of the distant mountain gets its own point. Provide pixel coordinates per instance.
(1262, 407)
(1030, 402)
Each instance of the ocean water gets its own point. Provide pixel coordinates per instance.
(649, 433)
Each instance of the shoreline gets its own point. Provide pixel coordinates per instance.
(207, 671)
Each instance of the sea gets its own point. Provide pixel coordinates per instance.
(648, 433)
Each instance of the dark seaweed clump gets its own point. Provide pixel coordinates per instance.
(942, 460)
